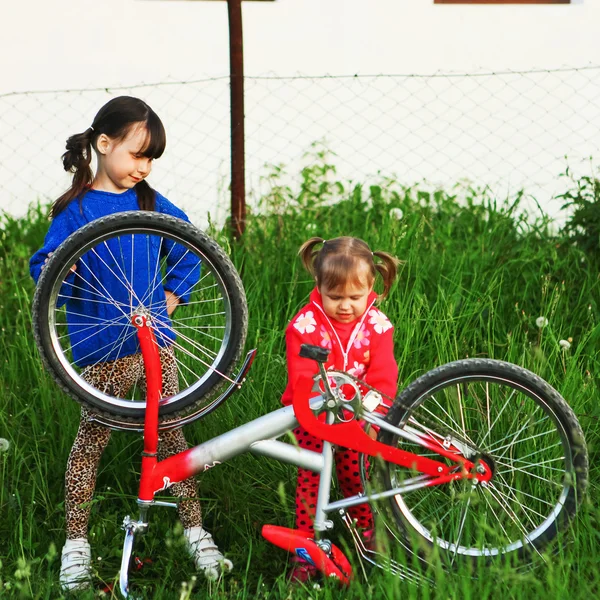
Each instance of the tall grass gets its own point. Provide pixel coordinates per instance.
(477, 273)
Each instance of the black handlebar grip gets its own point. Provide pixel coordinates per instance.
(314, 353)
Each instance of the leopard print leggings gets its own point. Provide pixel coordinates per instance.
(116, 378)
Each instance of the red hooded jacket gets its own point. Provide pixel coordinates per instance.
(364, 347)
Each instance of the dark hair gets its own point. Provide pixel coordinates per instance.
(338, 261)
(115, 120)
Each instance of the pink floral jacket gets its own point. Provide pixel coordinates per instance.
(364, 348)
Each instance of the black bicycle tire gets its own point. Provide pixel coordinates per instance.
(157, 224)
(414, 394)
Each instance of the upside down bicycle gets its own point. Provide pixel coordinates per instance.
(478, 458)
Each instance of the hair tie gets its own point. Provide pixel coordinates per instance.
(324, 242)
(92, 128)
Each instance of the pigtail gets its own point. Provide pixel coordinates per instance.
(308, 254)
(388, 269)
(76, 160)
(146, 196)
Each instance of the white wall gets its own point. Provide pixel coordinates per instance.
(57, 44)
(63, 44)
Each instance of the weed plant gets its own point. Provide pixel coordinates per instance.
(477, 274)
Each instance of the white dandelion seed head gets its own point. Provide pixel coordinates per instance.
(564, 344)
(396, 213)
(4, 445)
(541, 322)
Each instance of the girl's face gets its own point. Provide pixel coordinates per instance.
(121, 163)
(348, 302)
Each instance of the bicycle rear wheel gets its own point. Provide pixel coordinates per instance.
(516, 423)
(121, 265)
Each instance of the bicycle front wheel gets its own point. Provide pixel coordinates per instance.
(522, 428)
(131, 263)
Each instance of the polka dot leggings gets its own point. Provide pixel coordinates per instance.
(348, 476)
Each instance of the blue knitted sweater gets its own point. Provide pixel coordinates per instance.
(98, 304)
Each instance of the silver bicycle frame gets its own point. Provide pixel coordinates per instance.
(260, 437)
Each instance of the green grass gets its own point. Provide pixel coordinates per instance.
(476, 275)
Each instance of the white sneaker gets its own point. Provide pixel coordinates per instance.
(205, 553)
(75, 569)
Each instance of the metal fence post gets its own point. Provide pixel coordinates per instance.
(236, 62)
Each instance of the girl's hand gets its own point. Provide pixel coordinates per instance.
(47, 259)
(73, 268)
(172, 302)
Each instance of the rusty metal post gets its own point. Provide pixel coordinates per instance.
(236, 79)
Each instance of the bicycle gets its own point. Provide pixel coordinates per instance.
(479, 458)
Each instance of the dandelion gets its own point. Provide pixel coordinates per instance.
(541, 322)
(564, 344)
(396, 213)
(4, 445)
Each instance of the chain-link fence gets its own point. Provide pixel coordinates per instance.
(506, 130)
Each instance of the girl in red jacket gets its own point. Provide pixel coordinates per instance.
(342, 317)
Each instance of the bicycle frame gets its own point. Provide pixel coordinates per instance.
(258, 436)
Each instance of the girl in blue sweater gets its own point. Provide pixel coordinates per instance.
(126, 136)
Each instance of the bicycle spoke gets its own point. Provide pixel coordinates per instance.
(89, 289)
(128, 285)
(524, 508)
(536, 464)
(461, 528)
(156, 281)
(111, 349)
(114, 365)
(515, 423)
(179, 326)
(529, 474)
(161, 282)
(495, 514)
(498, 416)
(523, 440)
(188, 353)
(515, 490)
(511, 514)
(105, 294)
(195, 345)
(545, 450)
(96, 332)
(457, 431)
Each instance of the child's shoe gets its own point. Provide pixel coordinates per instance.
(205, 553)
(302, 571)
(75, 567)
